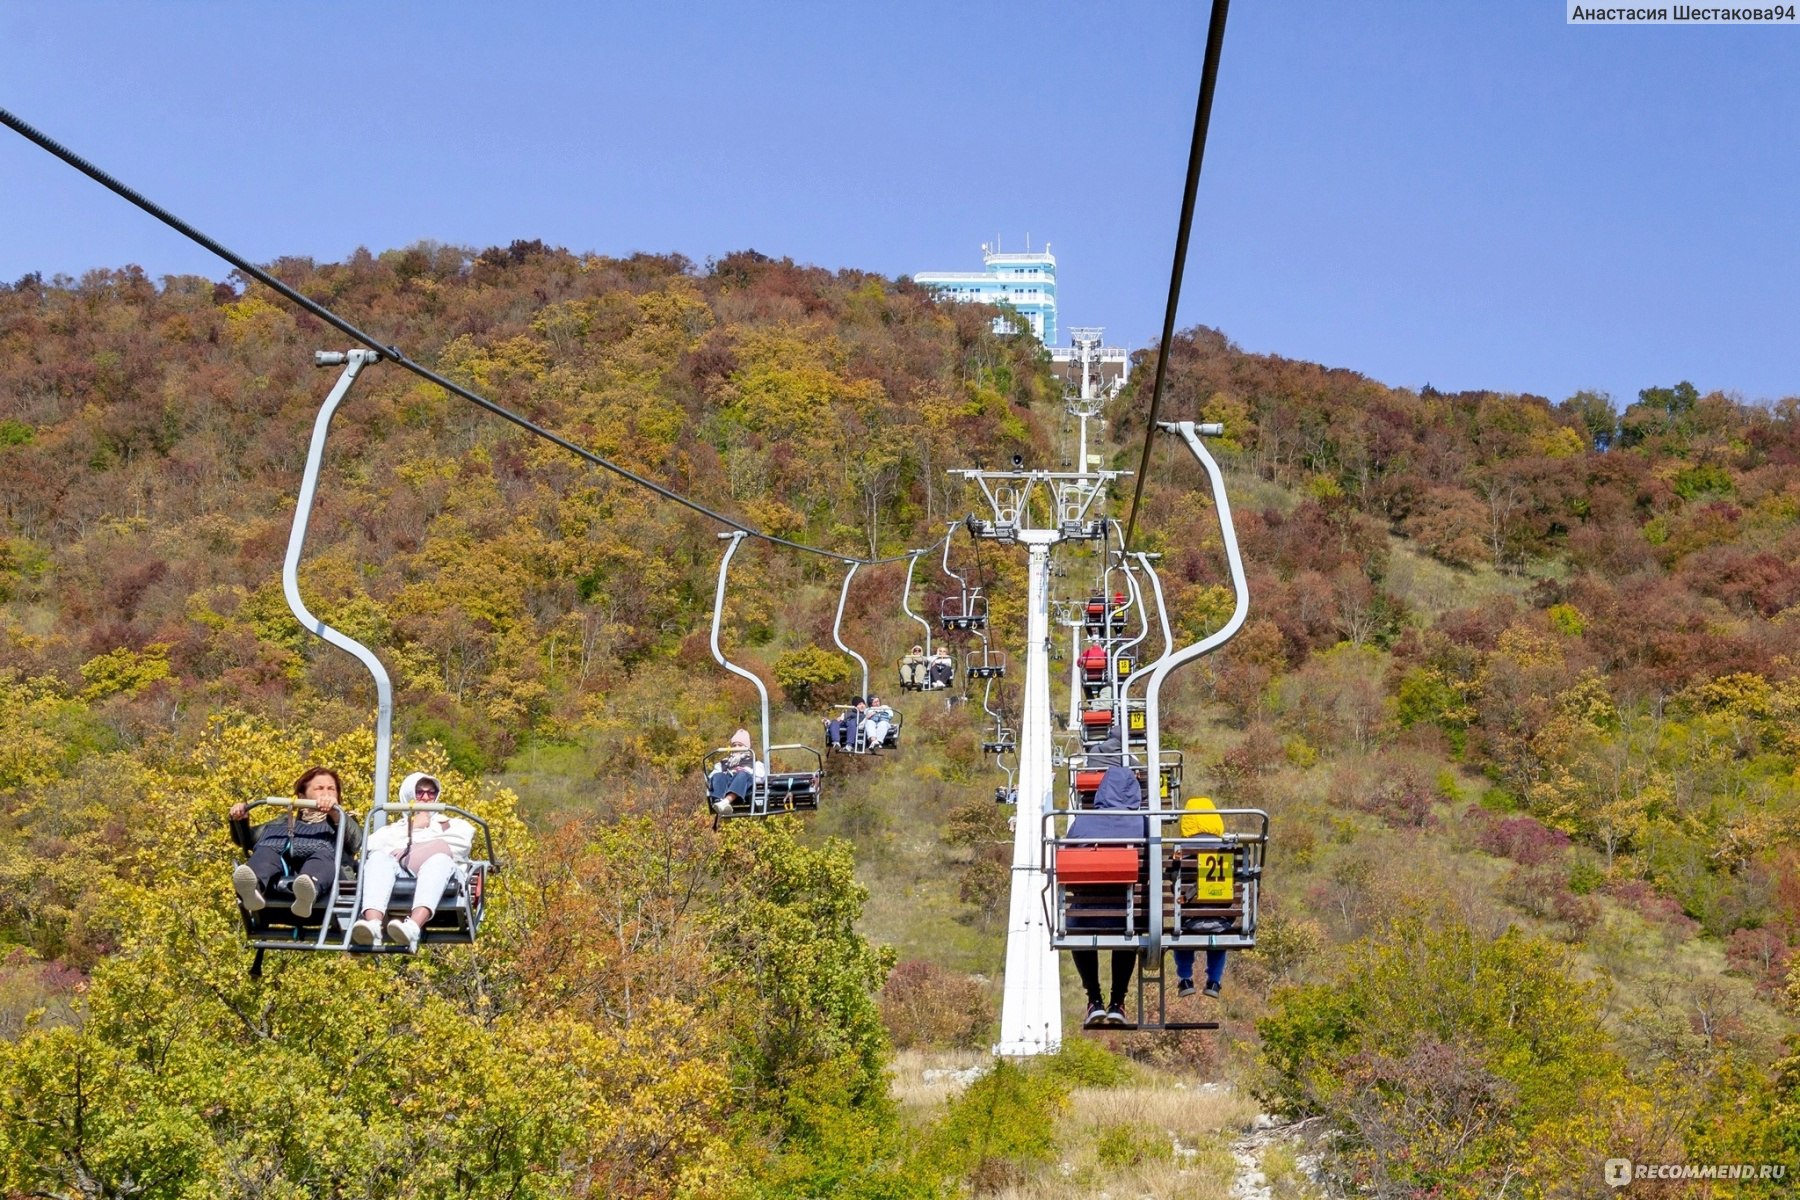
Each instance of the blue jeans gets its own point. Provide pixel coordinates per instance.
(1215, 966)
(721, 784)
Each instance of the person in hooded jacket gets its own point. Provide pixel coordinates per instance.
(913, 670)
(1119, 791)
(429, 846)
(734, 775)
(1201, 819)
(298, 849)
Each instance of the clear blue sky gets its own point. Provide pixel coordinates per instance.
(1466, 195)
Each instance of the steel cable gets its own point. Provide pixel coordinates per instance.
(1209, 79)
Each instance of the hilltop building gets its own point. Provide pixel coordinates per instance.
(1025, 281)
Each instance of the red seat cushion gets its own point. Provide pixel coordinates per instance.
(1096, 864)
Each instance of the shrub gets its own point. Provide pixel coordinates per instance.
(1585, 876)
(985, 884)
(924, 1005)
(1760, 955)
(809, 670)
(1001, 1125)
(1128, 1146)
(1084, 1063)
(1525, 840)
(1455, 1062)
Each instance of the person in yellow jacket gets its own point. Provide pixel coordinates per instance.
(1200, 819)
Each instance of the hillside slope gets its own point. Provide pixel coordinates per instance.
(1518, 691)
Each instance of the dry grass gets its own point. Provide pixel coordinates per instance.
(1158, 1138)
(920, 1081)
(1188, 1114)
(1177, 1140)
(1205, 1177)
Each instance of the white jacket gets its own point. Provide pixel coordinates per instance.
(454, 832)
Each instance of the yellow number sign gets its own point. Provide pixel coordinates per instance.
(1213, 879)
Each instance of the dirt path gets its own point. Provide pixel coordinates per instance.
(1251, 1183)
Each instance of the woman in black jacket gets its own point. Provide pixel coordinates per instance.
(299, 849)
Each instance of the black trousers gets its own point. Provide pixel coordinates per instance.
(1087, 965)
(307, 857)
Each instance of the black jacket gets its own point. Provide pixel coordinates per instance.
(279, 832)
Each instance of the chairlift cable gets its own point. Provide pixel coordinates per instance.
(394, 353)
(1209, 78)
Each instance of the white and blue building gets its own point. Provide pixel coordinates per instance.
(1024, 282)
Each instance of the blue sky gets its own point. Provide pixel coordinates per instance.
(1466, 195)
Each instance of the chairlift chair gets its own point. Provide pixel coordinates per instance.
(796, 789)
(1208, 889)
(966, 611)
(774, 793)
(1084, 780)
(985, 663)
(1154, 892)
(1101, 619)
(459, 913)
(859, 742)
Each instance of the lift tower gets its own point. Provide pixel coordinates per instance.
(1031, 1005)
(1090, 397)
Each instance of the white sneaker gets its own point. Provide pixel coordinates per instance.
(402, 931)
(249, 894)
(305, 893)
(722, 805)
(365, 932)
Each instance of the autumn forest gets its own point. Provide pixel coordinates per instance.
(1519, 689)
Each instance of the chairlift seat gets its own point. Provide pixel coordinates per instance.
(778, 793)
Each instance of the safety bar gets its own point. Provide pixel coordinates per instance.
(431, 806)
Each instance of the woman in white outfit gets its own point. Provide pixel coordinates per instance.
(429, 846)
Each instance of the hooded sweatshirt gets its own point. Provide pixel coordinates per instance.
(742, 756)
(457, 833)
(1202, 818)
(1119, 792)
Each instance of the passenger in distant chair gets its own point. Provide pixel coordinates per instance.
(943, 669)
(1093, 659)
(299, 848)
(1201, 819)
(878, 719)
(1119, 790)
(913, 669)
(841, 730)
(428, 846)
(734, 775)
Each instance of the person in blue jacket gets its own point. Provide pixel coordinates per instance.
(1119, 792)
